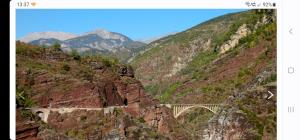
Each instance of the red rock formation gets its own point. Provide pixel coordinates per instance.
(48, 85)
(161, 118)
(25, 129)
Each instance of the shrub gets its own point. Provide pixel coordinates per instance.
(75, 55)
(66, 67)
(141, 120)
(83, 118)
(169, 91)
(56, 46)
(153, 134)
(26, 49)
(27, 114)
(107, 62)
(244, 72)
(23, 99)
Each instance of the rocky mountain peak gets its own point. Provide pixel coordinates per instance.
(105, 34)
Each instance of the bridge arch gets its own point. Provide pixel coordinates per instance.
(180, 109)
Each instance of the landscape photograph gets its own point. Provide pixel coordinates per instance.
(146, 74)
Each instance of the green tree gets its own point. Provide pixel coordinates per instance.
(75, 55)
(56, 46)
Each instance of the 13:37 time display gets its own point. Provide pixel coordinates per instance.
(23, 4)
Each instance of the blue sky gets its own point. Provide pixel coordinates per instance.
(134, 23)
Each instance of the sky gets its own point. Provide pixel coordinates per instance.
(138, 24)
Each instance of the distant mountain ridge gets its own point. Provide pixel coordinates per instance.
(47, 35)
(97, 41)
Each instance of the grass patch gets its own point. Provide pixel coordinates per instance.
(200, 60)
(185, 92)
(169, 91)
(78, 134)
(153, 89)
(23, 98)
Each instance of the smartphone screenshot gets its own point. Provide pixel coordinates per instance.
(154, 70)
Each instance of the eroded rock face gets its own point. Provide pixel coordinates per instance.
(160, 118)
(26, 129)
(51, 83)
(104, 92)
(234, 39)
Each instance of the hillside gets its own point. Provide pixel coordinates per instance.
(228, 60)
(50, 78)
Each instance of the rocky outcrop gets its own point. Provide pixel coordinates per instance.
(234, 39)
(160, 118)
(26, 129)
(126, 71)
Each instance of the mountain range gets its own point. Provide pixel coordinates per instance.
(97, 41)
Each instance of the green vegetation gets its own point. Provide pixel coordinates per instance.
(269, 79)
(195, 66)
(153, 89)
(220, 39)
(65, 67)
(39, 65)
(75, 54)
(250, 19)
(56, 46)
(154, 134)
(169, 91)
(23, 98)
(184, 92)
(106, 60)
(141, 120)
(27, 114)
(118, 112)
(262, 121)
(150, 53)
(263, 32)
(24, 49)
(78, 134)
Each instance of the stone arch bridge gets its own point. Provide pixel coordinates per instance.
(179, 109)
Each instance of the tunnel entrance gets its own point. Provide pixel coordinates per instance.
(40, 114)
(125, 102)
